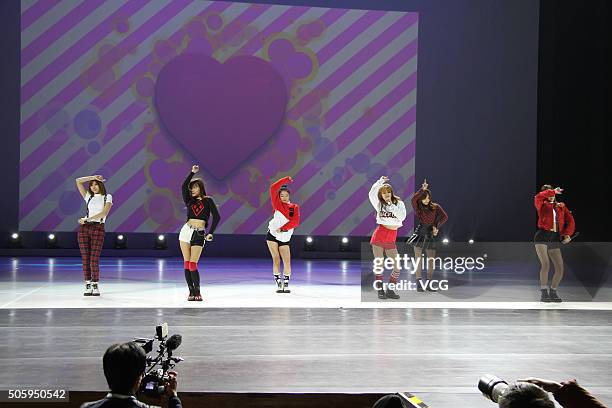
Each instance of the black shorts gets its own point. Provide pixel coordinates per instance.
(551, 239)
(270, 237)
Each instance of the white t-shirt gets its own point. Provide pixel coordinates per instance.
(277, 221)
(96, 205)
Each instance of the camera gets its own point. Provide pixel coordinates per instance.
(492, 387)
(156, 376)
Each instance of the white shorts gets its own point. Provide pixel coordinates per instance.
(192, 235)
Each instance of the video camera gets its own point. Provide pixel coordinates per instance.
(156, 375)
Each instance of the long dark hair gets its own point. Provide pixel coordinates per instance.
(200, 184)
(431, 206)
(385, 188)
(100, 184)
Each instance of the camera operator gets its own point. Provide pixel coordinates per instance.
(124, 367)
(533, 393)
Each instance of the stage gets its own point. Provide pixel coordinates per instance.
(321, 338)
(247, 283)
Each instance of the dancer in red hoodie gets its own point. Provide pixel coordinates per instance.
(555, 227)
(286, 216)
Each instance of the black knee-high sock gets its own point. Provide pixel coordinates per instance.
(195, 278)
(189, 281)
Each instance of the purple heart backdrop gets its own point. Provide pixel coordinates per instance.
(140, 90)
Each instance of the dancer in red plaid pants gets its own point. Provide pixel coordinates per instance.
(91, 229)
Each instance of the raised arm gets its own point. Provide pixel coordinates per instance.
(373, 194)
(274, 189)
(185, 187)
(416, 197)
(82, 180)
(542, 196)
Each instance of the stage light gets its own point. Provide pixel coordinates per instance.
(52, 241)
(160, 242)
(344, 244)
(471, 241)
(15, 240)
(309, 244)
(445, 241)
(120, 241)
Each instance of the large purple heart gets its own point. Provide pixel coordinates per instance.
(220, 113)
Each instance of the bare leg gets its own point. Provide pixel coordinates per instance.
(542, 251)
(418, 251)
(557, 260)
(431, 254)
(285, 253)
(196, 252)
(392, 253)
(273, 247)
(186, 250)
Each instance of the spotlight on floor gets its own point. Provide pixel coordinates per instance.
(445, 241)
(15, 240)
(471, 241)
(160, 242)
(52, 241)
(120, 241)
(309, 244)
(344, 244)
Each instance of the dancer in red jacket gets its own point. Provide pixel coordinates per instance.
(285, 218)
(555, 227)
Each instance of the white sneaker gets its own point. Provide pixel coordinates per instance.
(95, 291)
(88, 289)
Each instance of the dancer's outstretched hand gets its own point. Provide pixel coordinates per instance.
(195, 168)
(209, 237)
(424, 185)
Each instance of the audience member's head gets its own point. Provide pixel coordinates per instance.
(389, 401)
(124, 364)
(525, 395)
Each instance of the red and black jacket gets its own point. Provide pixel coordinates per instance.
(565, 219)
(291, 211)
(435, 217)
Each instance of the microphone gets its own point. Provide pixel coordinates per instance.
(174, 342)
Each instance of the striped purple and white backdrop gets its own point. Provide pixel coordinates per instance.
(90, 105)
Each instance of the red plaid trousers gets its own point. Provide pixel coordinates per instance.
(91, 238)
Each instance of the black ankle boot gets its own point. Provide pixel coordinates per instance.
(391, 294)
(544, 296)
(554, 297)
